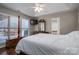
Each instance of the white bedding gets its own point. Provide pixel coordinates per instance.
(48, 44)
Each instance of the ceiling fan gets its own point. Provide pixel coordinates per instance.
(39, 7)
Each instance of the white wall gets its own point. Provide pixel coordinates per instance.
(78, 20)
(68, 21)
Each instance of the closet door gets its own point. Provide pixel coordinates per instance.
(55, 25)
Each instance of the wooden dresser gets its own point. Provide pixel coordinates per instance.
(13, 42)
(11, 45)
(36, 32)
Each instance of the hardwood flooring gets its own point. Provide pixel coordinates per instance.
(4, 51)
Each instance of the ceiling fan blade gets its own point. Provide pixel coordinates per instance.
(41, 9)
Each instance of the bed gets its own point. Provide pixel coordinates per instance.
(48, 44)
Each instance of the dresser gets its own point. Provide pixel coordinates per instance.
(36, 32)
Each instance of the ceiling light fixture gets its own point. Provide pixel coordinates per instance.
(38, 8)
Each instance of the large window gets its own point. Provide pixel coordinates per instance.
(24, 27)
(3, 25)
(13, 27)
(3, 30)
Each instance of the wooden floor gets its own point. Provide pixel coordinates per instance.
(4, 51)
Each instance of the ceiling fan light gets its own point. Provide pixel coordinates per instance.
(41, 9)
(38, 10)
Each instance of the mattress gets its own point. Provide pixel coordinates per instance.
(48, 44)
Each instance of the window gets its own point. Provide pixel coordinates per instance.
(3, 26)
(24, 27)
(3, 30)
(10, 26)
(13, 27)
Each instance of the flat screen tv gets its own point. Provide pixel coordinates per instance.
(33, 21)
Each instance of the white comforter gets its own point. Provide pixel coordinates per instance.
(47, 44)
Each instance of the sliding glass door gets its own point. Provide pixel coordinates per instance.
(18, 27)
(24, 27)
(13, 29)
(3, 30)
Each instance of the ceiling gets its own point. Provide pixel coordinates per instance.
(27, 8)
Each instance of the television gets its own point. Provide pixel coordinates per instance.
(33, 21)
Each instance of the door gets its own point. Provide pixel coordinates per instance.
(3, 30)
(55, 25)
(24, 26)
